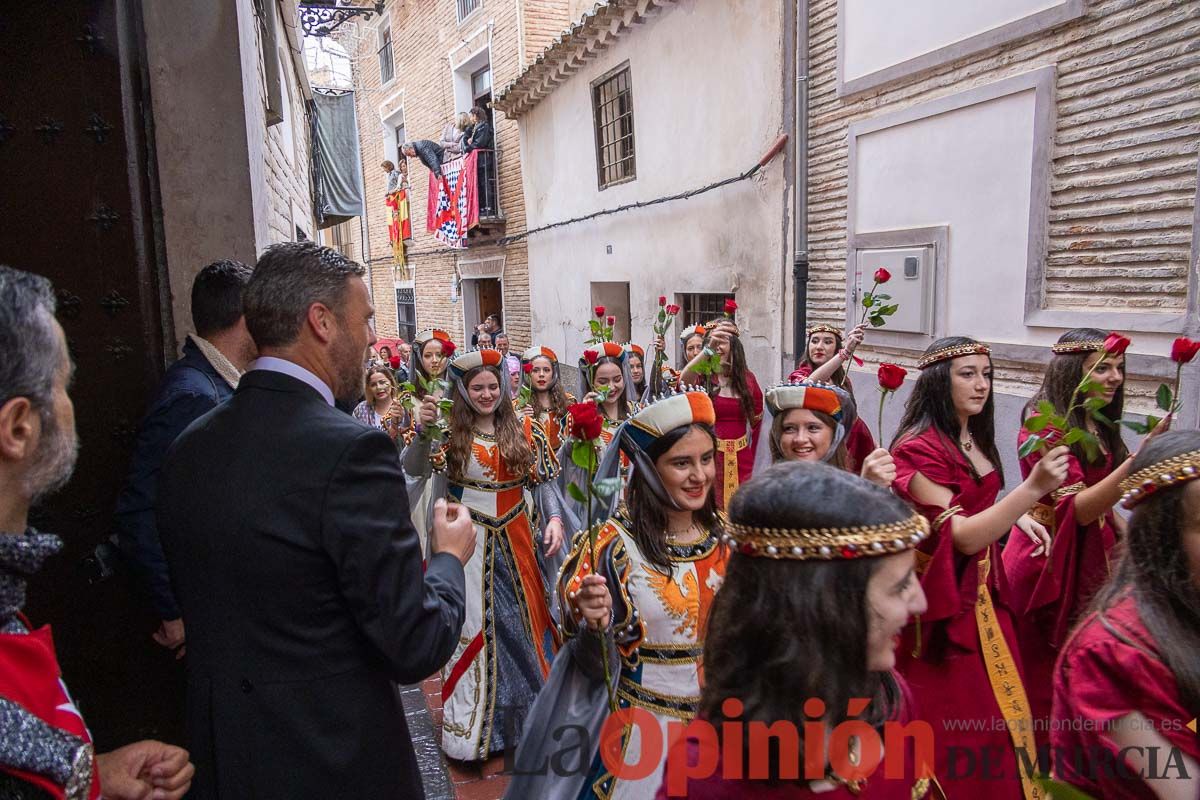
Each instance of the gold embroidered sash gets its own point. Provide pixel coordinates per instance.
(730, 448)
(1005, 680)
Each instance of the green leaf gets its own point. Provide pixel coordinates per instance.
(1059, 790)
(1152, 422)
(1046, 408)
(1163, 397)
(1095, 403)
(1135, 426)
(1087, 387)
(576, 493)
(1074, 435)
(882, 296)
(868, 300)
(887, 311)
(408, 387)
(1037, 423)
(877, 321)
(607, 487)
(1029, 446)
(1091, 446)
(583, 455)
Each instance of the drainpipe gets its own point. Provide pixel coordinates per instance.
(800, 184)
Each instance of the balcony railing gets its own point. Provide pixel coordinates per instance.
(489, 187)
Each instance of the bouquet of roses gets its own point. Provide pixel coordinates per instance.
(664, 322)
(440, 429)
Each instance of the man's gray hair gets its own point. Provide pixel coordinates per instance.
(287, 280)
(28, 341)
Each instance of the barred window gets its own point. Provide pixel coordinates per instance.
(612, 110)
(386, 66)
(467, 7)
(697, 309)
(406, 313)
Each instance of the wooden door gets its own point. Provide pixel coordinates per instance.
(77, 205)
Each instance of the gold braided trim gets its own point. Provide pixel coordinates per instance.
(1171, 472)
(824, 329)
(1043, 514)
(808, 544)
(1090, 346)
(1067, 491)
(977, 349)
(945, 516)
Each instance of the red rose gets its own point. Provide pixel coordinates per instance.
(662, 300)
(672, 309)
(1116, 344)
(1184, 350)
(448, 348)
(599, 311)
(395, 362)
(882, 275)
(527, 367)
(591, 356)
(730, 307)
(610, 321)
(586, 422)
(891, 376)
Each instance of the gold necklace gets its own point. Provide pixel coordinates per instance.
(969, 444)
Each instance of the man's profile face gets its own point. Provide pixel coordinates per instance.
(58, 445)
(353, 338)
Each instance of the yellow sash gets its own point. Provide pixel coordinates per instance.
(1005, 680)
(730, 448)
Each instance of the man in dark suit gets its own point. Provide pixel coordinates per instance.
(287, 532)
(214, 358)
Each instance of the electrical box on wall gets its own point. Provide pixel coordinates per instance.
(911, 285)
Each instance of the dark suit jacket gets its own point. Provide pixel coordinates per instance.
(286, 527)
(190, 389)
(480, 137)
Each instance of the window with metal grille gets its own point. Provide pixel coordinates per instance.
(386, 66)
(406, 313)
(697, 309)
(466, 7)
(612, 111)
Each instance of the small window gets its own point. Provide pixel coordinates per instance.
(386, 67)
(467, 7)
(697, 309)
(612, 110)
(406, 313)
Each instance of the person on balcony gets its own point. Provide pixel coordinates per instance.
(482, 137)
(454, 136)
(430, 153)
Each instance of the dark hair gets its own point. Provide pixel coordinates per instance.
(622, 398)
(510, 433)
(288, 279)
(1063, 374)
(647, 513)
(738, 381)
(639, 388)
(385, 347)
(558, 395)
(839, 377)
(479, 112)
(385, 372)
(782, 631)
(32, 353)
(217, 296)
(493, 316)
(1154, 567)
(931, 405)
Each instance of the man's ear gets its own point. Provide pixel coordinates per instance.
(20, 429)
(322, 322)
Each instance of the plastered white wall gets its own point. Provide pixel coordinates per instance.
(880, 33)
(694, 70)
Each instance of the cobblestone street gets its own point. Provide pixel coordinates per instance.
(446, 780)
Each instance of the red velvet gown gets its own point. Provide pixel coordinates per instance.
(1110, 668)
(859, 441)
(734, 433)
(1048, 594)
(950, 678)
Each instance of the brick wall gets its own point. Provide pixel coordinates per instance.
(424, 32)
(1123, 159)
(288, 164)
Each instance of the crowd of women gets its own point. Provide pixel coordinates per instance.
(737, 556)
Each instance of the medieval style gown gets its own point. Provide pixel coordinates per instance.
(1110, 668)
(737, 441)
(508, 638)
(1048, 594)
(964, 670)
